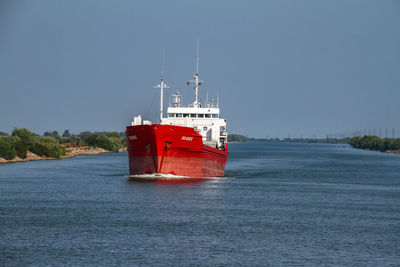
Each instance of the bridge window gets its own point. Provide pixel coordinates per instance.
(200, 115)
(179, 115)
(215, 115)
(192, 115)
(185, 115)
(208, 115)
(171, 115)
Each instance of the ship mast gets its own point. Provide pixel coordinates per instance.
(162, 85)
(196, 80)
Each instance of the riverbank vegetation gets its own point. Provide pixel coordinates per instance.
(372, 142)
(238, 138)
(52, 145)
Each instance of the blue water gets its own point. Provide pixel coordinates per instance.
(281, 204)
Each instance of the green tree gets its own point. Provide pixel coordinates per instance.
(48, 146)
(113, 134)
(7, 147)
(23, 141)
(20, 147)
(105, 142)
(66, 134)
(111, 143)
(91, 140)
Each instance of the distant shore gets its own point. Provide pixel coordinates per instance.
(72, 151)
(366, 142)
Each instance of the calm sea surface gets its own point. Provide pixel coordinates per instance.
(280, 204)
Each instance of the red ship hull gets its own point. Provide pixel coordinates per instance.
(172, 150)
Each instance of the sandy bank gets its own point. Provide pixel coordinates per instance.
(84, 150)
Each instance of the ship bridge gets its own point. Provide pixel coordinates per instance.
(205, 121)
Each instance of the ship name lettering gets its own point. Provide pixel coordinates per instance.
(132, 137)
(186, 138)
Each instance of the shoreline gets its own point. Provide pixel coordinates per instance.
(71, 153)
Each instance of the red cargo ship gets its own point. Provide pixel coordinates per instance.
(190, 143)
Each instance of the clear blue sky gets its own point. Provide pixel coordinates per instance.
(280, 67)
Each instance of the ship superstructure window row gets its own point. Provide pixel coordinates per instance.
(180, 115)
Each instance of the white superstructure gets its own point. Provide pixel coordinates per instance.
(205, 121)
